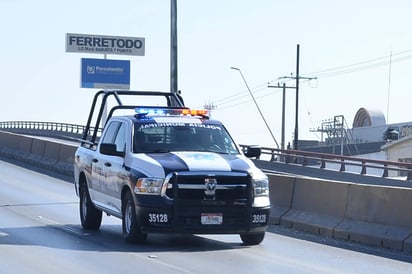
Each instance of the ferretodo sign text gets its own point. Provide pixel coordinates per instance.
(103, 44)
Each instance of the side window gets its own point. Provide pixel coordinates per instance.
(111, 132)
(120, 140)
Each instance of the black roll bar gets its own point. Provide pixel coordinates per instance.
(172, 99)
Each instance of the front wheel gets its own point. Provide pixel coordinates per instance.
(130, 224)
(90, 217)
(252, 238)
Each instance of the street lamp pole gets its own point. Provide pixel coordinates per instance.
(257, 106)
(173, 46)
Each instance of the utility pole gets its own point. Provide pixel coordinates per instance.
(296, 87)
(284, 87)
(296, 137)
(282, 143)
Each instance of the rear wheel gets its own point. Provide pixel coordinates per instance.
(90, 216)
(252, 238)
(130, 224)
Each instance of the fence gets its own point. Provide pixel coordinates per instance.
(49, 129)
(315, 159)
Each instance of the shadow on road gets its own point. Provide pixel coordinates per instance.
(109, 239)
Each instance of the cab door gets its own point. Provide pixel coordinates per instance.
(111, 178)
(98, 192)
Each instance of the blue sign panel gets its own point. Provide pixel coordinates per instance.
(105, 74)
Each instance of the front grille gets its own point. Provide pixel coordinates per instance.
(229, 194)
(190, 189)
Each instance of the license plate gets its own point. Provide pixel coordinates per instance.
(212, 218)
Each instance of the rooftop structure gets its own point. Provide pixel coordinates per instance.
(368, 134)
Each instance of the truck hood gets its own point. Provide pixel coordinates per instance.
(161, 164)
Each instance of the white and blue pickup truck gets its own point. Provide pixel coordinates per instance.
(168, 169)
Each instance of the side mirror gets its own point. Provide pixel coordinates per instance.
(253, 151)
(110, 149)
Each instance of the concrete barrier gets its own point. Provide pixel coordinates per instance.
(25, 144)
(15, 146)
(317, 207)
(379, 216)
(37, 155)
(8, 140)
(37, 152)
(281, 194)
(373, 215)
(65, 159)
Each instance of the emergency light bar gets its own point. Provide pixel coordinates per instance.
(195, 112)
(154, 111)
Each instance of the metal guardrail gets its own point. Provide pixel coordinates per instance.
(299, 157)
(315, 159)
(49, 129)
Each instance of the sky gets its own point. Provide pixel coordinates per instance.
(360, 53)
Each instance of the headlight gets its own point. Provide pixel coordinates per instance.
(149, 186)
(260, 185)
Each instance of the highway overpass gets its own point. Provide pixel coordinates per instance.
(366, 209)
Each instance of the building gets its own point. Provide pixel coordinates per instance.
(399, 150)
(369, 134)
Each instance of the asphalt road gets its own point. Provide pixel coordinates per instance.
(40, 232)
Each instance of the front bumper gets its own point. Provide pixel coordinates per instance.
(190, 207)
(206, 220)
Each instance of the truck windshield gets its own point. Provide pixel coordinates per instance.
(157, 138)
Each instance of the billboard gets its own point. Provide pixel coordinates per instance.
(105, 73)
(103, 44)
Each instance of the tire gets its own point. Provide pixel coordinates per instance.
(252, 238)
(90, 217)
(130, 224)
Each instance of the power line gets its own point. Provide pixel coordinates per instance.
(229, 105)
(241, 94)
(362, 65)
(238, 97)
(331, 72)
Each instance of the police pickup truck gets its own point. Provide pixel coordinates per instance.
(167, 169)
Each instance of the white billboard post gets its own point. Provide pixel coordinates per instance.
(104, 44)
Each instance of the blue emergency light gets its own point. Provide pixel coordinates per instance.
(155, 111)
